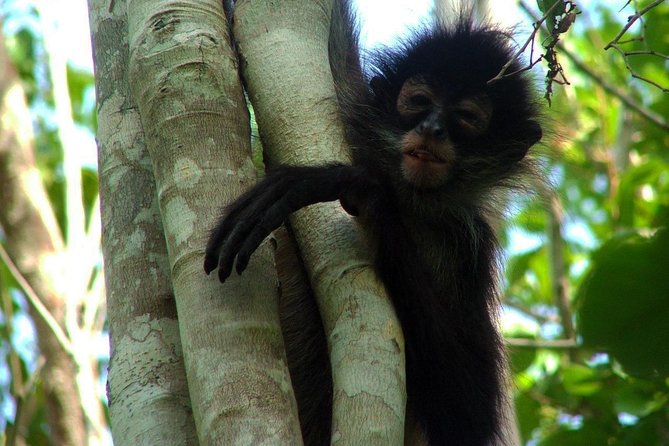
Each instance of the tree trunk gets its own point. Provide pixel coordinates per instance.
(35, 245)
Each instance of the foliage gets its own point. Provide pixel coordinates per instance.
(611, 173)
(20, 359)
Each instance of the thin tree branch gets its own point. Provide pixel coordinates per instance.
(633, 73)
(536, 26)
(647, 53)
(21, 397)
(606, 85)
(560, 283)
(630, 21)
(528, 311)
(37, 304)
(557, 265)
(616, 92)
(534, 343)
(616, 45)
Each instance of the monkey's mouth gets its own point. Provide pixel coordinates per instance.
(426, 164)
(424, 156)
(426, 167)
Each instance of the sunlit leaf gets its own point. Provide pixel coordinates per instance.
(581, 380)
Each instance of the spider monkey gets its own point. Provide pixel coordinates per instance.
(432, 142)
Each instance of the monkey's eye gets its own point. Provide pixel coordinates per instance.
(414, 98)
(472, 116)
(469, 117)
(419, 101)
(414, 107)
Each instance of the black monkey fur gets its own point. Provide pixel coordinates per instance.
(432, 143)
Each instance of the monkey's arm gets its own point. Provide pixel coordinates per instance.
(259, 211)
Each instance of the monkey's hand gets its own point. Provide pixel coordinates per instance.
(259, 211)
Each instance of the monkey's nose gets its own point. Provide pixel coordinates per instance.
(432, 126)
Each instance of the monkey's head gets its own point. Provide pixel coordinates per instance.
(450, 127)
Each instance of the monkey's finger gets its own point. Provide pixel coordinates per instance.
(216, 240)
(262, 195)
(316, 188)
(259, 197)
(245, 209)
(226, 224)
(210, 262)
(231, 247)
(224, 273)
(270, 221)
(214, 245)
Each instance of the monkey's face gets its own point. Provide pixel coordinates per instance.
(437, 131)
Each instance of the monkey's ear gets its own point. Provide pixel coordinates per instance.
(380, 93)
(530, 135)
(377, 85)
(534, 133)
(381, 89)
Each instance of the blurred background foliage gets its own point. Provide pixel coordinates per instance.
(23, 407)
(587, 266)
(604, 379)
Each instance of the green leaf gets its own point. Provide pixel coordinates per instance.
(528, 411)
(636, 400)
(648, 431)
(80, 83)
(521, 358)
(586, 436)
(519, 264)
(581, 380)
(649, 173)
(624, 303)
(548, 5)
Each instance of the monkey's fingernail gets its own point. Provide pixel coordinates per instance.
(209, 264)
(222, 275)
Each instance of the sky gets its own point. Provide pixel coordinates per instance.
(75, 31)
